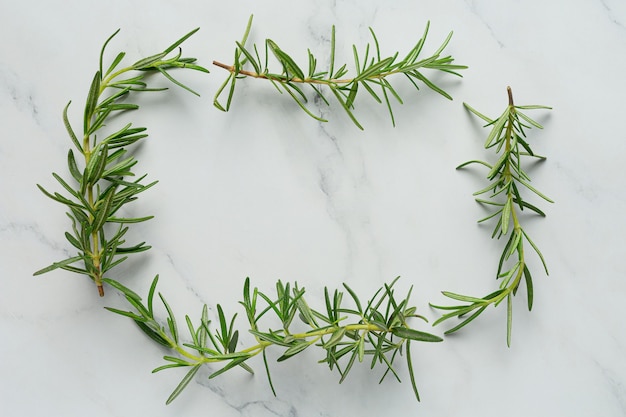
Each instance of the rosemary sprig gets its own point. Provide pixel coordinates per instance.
(98, 190)
(378, 329)
(507, 178)
(372, 72)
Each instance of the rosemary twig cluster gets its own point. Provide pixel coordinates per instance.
(378, 329)
(100, 187)
(507, 178)
(372, 72)
(97, 191)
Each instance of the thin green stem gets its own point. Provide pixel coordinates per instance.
(284, 79)
(95, 252)
(263, 344)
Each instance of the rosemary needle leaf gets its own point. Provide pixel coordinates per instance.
(295, 349)
(529, 287)
(346, 370)
(466, 321)
(168, 366)
(73, 167)
(460, 297)
(92, 100)
(529, 120)
(127, 314)
(251, 59)
(346, 108)
(409, 363)
(123, 289)
(534, 190)
(192, 330)
(75, 242)
(157, 337)
(59, 264)
(230, 365)
(509, 318)
(103, 212)
(65, 185)
(543, 261)
(185, 381)
(177, 361)
(232, 344)
(464, 164)
(173, 80)
(69, 129)
(371, 91)
(497, 129)
(267, 372)
(477, 113)
(302, 105)
(335, 338)
(412, 334)
(431, 85)
(115, 62)
(171, 320)
(59, 198)
(361, 349)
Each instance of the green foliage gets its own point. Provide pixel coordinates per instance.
(100, 186)
(344, 334)
(371, 75)
(376, 332)
(507, 183)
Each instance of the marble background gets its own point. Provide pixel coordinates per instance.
(267, 192)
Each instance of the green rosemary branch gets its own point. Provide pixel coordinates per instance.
(98, 190)
(377, 329)
(372, 72)
(507, 179)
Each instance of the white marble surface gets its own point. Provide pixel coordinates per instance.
(266, 192)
